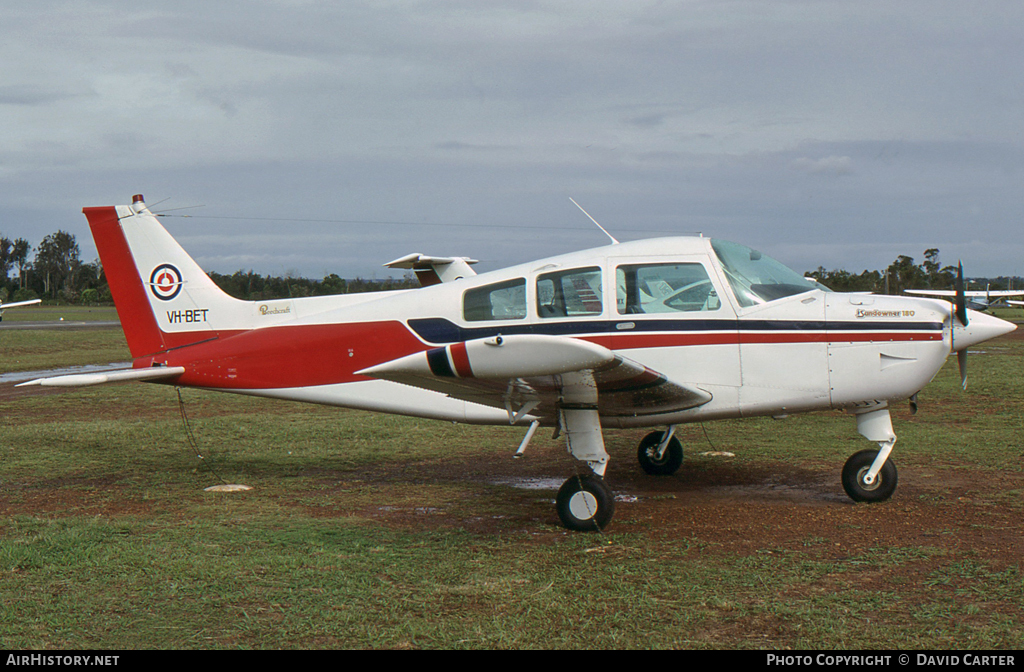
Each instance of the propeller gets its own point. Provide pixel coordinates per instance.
(961, 299)
(961, 316)
(961, 360)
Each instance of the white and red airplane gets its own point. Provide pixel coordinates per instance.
(5, 306)
(641, 334)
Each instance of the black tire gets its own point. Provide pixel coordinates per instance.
(669, 462)
(585, 504)
(857, 467)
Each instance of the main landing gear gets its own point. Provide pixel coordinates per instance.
(585, 503)
(660, 453)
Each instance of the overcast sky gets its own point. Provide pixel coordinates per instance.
(332, 137)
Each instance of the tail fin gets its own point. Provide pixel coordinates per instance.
(163, 298)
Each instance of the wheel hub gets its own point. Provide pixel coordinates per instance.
(583, 505)
(862, 479)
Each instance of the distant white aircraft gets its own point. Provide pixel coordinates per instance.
(977, 299)
(5, 306)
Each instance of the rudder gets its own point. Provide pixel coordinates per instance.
(163, 298)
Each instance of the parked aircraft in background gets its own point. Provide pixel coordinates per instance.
(650, 333)
(5, 306)
(976, 298)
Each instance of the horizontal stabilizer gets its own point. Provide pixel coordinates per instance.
(119, 376)
(435, 270)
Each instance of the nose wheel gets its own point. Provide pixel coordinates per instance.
(585, 504)
(862, 489)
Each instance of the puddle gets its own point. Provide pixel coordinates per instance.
(228, 487)
(531, 483)
(19, 376)
(552, 484)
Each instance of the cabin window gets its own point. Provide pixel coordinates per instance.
(500, 301)
(664, 288)
(572, 293)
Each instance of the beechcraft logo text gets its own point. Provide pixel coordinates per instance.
(165, 282)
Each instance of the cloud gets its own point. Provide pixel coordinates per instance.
(657, 117)
(829, 165)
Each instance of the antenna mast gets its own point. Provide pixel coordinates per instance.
(614, 242)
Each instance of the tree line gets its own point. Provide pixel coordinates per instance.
(56, 273)
(900, 275)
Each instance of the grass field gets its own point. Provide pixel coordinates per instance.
(373, 531)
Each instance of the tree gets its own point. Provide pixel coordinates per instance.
(938, 277)
(5, 258)
(904, 274)
(57, 261)
(19, 257)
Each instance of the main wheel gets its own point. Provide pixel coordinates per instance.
(585, 503)
(670, 460)
(857, 467)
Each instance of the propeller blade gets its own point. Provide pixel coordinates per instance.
(961, 360)
(961, 299)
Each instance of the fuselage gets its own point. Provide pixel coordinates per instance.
(669, 304)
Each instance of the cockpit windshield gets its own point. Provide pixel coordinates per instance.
(757, 278)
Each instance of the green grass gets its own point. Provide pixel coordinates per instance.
(39, 349)
(371, 531)
(48, 313)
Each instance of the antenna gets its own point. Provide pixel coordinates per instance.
(614, 242)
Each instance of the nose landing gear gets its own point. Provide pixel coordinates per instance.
(869, 475)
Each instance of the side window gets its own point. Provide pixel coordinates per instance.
(570, 293)
(664, 288)
(501, 301)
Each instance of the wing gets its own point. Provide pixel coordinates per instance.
(536, 375)
(5, 306)
(971, 293)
